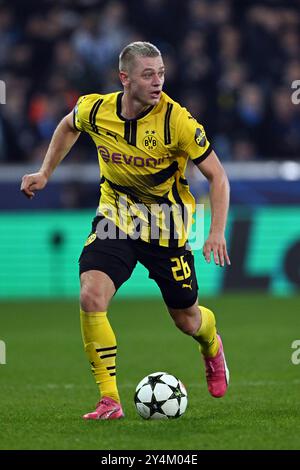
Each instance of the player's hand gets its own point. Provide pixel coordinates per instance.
(32, 183)
(216, 244)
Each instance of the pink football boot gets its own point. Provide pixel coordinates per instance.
(217, 373)
(107, 408)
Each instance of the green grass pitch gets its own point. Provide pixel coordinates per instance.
(46, 384)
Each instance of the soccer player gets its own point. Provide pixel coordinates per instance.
(144, 140)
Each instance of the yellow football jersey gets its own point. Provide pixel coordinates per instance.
(142, 164)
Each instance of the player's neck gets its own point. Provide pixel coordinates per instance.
(131, 109)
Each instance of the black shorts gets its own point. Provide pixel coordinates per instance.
(171, 268)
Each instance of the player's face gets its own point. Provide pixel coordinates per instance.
(146, 79)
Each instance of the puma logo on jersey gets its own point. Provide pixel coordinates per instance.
(187, 286)
(112, 135)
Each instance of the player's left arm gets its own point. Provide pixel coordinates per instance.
(213, 170)
(193, 141)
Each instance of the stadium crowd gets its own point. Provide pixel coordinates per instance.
(231, 63)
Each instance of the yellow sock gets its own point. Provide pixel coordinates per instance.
(101, 348)
(207, 333)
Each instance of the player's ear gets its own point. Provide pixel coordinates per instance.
(124, 78)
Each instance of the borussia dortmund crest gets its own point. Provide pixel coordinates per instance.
(150, 141)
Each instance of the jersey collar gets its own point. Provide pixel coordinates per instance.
(119, 109)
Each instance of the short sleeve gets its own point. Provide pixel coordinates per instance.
(192, 137)
(77, 114)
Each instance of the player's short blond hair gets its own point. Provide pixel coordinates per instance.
(136, 49)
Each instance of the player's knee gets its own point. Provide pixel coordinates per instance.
(93, 299)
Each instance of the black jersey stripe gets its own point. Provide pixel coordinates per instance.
(176, 194)
(133, 132)
(100, 185)
(183, 181)
(130, 130)
(128, 190)
(178, 200)
(163, 175)
(173, 238)
(123, 189)
(167, 131)
(93, 114)
(203, 156)
(170, 226)
(127, 130)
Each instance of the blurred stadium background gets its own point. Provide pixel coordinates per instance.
(232, 64)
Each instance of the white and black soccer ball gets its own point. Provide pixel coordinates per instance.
(160, 396)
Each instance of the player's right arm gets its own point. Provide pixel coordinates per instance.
(63, 139)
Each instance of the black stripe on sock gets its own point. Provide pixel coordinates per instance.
(106, 349)
(110, 367)
(112, 374)
(108, 355)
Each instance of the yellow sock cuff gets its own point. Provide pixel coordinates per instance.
(208, 322)
(89, 320)
(207, 333)
(92, 314)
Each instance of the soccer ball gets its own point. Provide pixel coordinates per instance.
(160, 396)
